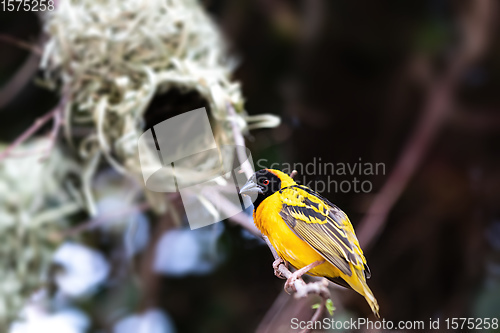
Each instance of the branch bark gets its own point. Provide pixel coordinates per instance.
(303, 289)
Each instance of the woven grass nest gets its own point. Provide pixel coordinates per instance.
(109, 60)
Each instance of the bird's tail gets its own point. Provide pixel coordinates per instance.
(358, 282)
(370, 299)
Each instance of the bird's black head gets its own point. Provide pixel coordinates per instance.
(261, 185)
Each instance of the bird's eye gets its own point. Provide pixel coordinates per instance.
(266, 182)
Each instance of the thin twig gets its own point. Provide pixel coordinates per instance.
(436, 111)
(57, 122)
(54, 114)
(19, 80)
(21, 44)
(428, 126)
(317, 315)
(11, 89)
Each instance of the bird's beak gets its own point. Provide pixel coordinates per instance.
(251, 188)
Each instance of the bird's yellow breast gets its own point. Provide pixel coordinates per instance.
(288, 245)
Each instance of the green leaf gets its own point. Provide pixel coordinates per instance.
(329, 306)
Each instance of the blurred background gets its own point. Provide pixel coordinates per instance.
(412, 84)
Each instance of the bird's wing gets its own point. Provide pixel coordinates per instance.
(323, 226)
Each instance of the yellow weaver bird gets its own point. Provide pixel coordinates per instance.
(308, 231)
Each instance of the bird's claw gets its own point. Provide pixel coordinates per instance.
(290, 282)
(276, 264)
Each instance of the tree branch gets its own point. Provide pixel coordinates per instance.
(302, 289)
(317, 314)
(475, 24)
